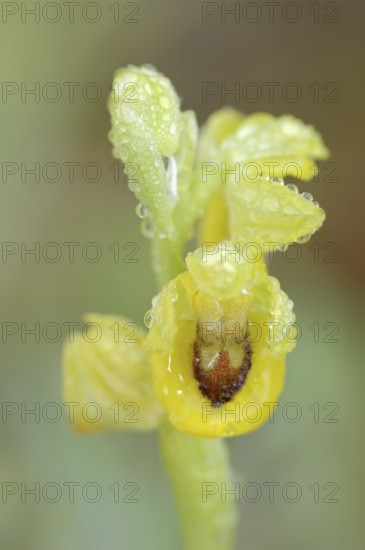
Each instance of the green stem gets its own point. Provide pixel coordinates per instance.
(167, 260)
(197, 468)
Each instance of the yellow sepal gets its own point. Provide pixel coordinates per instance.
(109, 378)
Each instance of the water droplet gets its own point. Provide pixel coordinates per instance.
(174, 296)
(165, 102)
(147, 228)
(171, 176)
(141, 211)
(277, 181)
(123, 151)
(148, 319)
(274, 282)
(315, 203)
(155, 300)
(138, 146)
(304, 238)
(266, 177)
(148, 68)
(292, 187)
(228, 431)
(134, 186)
(307, 196)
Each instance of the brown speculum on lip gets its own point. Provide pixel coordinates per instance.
(222, 360)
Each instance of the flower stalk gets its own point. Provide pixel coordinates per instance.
(198, 468)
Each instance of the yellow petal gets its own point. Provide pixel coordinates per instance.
(263, 136)
(269, 212)
(277, 146)
(106, 372)
(221, 125)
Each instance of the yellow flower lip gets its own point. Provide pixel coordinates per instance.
(207, 357)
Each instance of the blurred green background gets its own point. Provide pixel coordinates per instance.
(322, 46)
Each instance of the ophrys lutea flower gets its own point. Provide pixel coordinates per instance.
(213, 360)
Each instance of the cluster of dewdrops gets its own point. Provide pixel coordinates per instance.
(292, 187)
(171, 189)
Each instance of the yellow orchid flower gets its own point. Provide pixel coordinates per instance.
(212, 363)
